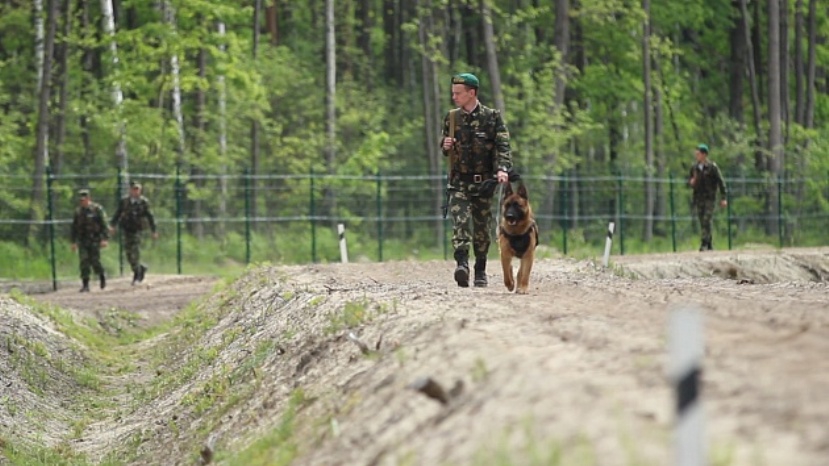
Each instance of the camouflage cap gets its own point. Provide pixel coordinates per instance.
(703, 148)
(135, 184)
(82, 193)
(466, 78)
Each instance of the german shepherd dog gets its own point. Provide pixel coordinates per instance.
(517, 236)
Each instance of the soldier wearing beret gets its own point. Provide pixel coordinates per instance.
(479, 151)
(705, 179)
(133, 211)
(90, 232)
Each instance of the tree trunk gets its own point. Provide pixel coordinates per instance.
(87, 64)
(755, 91)
(775, 134)
(222, 89)
(42, 142)
(492, 55)
(330, 104)
(117, 95)
(737, 68)
(39, 41)
(175, 72)
(200, 126)
(63, 62)
(784, 67)
(561, 39)
(647, 107)
(811, 66)
(272, 19)
(364, 20)
(799, 90)
(254, 123)
(661, 209)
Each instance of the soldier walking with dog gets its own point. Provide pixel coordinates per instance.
(477, 142)
(90, 232)
(705, 179)
(133, 211)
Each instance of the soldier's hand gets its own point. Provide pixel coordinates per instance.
(503, 177)
(693, 181)
(448, 143)
(155, 235)
(104, 243)
(723, 203)
(74, 247)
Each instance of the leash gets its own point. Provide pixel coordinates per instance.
(497, 219)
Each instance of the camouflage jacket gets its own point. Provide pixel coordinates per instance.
(482, 147)
(89, 224)
(709, 180)
(131, 216)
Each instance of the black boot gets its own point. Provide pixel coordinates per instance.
(142, 271)
(480, 271)
(462, 270)
(135, 275)
(103, 281)
(85, 287)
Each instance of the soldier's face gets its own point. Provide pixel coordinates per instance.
(135, 192)
(700, 156)
(461, 95)
(85, 201)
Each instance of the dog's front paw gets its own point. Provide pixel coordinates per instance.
(521, 291)
(510, 284)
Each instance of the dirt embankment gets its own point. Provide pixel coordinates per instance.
(573, 373)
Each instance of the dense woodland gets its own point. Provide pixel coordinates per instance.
(358, 86)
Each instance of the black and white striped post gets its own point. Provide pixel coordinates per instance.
(608, 243)
(686, 349)
(343, 247)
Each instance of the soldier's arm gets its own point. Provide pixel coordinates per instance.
(149, 214)
(104, 223)
(117, 214)
(73, 232)
(444, 133)
(721, 182)
(503, 158)
(691, 176)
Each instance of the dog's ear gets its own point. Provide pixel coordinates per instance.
(522, 191)
(507, 190)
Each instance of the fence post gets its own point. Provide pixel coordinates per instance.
(728, 216)
(379, 217)
(564, 211)
(247, 215)
(118, 194)
(673, 211)
(313, 220)
(621, 207)
(51, 217)
(178, 218)
(780, 210)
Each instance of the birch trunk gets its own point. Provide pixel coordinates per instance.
(175, 73)
(492, 56)
(430, 112)
(775, 162)
(117, 95)
(650, 192)
(254, 124)
(42, 142)
(752, 78)
(39, 41)
(330, 103)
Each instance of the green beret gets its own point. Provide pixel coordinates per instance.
(703, 148)
(466, 78)
(83, 193)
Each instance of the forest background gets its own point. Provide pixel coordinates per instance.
(231, 110)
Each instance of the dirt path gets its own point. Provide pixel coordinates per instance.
(575, 370)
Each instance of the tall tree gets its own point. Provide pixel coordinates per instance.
(40, 32)
(647, 107)
(117, 94)
(63, 90)
(272, 19)
(775, 162)
(492, 55)
(783, 6)
(811, 66)
(330, 101)
(221, 86)
(175, 72)
(799, 64)
(755, 88)
(254, 122)
(737, 64)
(42, 142)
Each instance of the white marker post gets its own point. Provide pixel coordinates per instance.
(343, 247)
(686, 349)
(608, 243)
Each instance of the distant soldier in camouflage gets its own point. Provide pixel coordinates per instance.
(705, 178)
(133, 211)
(479, 150)
(90, 232)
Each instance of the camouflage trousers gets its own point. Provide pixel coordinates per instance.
(472, 221)
(132, 247)
(705, 212)
(89, 253)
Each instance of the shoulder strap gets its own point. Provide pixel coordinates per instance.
(452, 118)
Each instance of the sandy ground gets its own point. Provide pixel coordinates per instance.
(572, 373)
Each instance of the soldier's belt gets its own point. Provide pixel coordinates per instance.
(473, 177)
